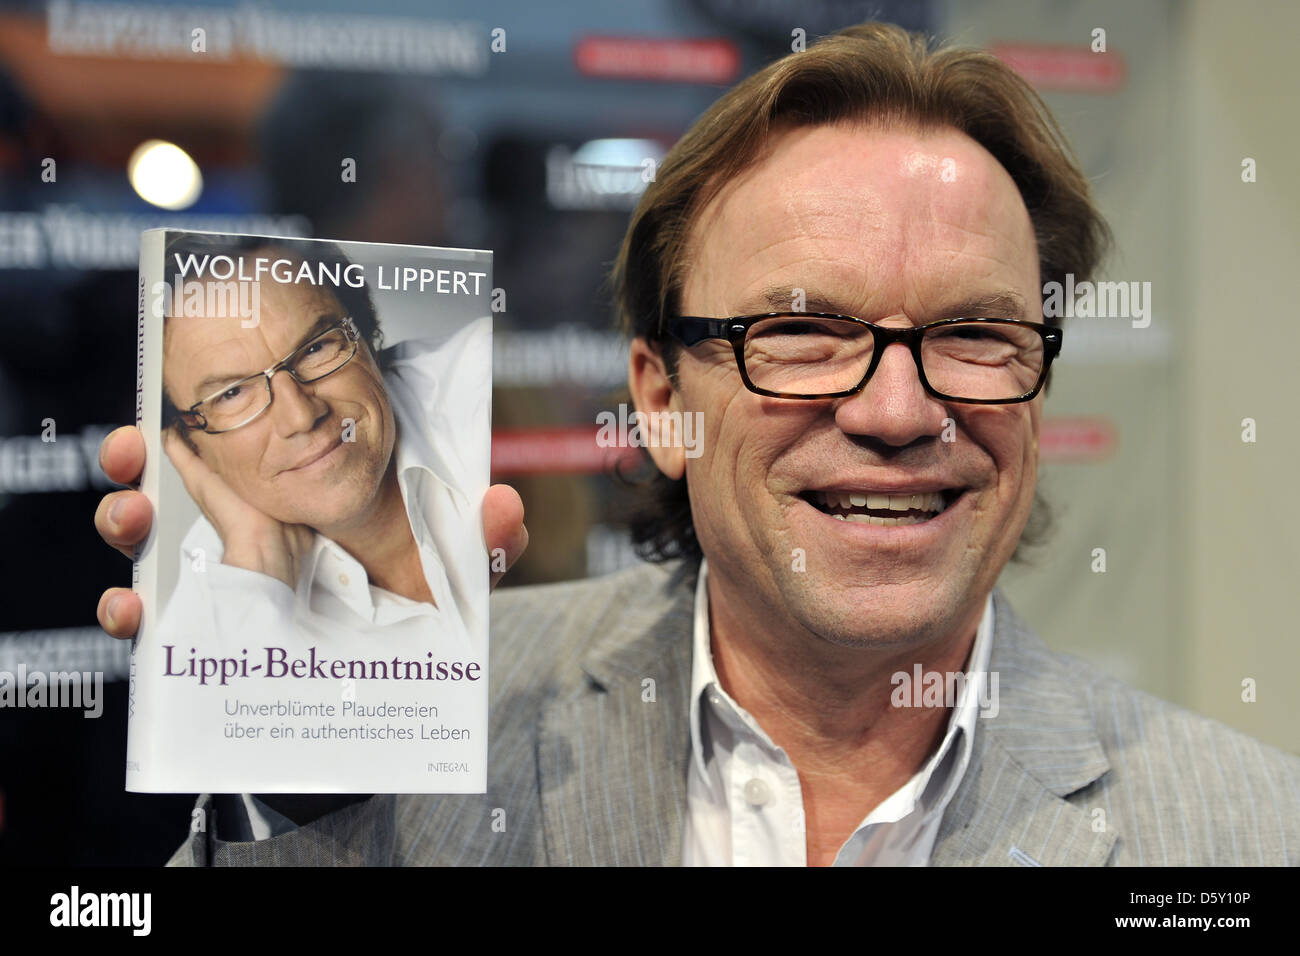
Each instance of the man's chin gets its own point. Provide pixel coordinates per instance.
(320, 508)
(870, 615)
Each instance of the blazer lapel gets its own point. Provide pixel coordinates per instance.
(1010, 808)
(613, 752)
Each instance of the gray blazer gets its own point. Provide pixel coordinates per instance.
(1076, 769)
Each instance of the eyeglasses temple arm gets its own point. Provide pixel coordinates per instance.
(692, 330)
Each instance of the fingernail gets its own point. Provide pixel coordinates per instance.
(110, 611)
(115, 512)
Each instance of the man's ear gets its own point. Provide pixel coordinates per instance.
(653, 392)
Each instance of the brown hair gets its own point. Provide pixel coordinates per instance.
(870, 72)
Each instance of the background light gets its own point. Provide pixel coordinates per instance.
(164, 174)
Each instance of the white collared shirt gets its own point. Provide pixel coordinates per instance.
(440, 401)
(744, 800)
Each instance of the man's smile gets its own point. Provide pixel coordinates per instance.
(913, 515)
(880, 507)
(317, 456)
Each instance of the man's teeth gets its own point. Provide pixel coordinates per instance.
(884, 522)
(931, 501)
(850, 503)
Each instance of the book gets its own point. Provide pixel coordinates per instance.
(315, 583)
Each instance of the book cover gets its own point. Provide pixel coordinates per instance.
(315, 585)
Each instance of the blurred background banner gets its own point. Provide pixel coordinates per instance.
(1168, 445)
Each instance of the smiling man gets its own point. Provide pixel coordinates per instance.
(839, 266)
(817, 594)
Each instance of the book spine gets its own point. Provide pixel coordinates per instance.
(144, 569)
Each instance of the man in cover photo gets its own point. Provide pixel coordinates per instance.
(332, 475)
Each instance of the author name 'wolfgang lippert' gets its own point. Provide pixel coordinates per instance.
(224, 268)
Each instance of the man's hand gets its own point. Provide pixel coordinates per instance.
(123, 518)
(251, 539)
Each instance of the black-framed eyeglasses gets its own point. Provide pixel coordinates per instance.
(815, 355)
(235, 405)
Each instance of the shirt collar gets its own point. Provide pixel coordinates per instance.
(961, 723)
(416, 410)
(702, 673)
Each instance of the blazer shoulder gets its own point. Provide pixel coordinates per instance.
(1183, 788)
(1117, 706)
(551, 628)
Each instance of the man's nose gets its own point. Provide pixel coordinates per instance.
(294, 407)
(893, 406)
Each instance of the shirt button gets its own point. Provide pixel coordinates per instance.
(343, 580)
(757, 792)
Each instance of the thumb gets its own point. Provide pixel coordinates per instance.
(503, 527)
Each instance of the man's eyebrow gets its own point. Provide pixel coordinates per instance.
(212, 382)
(1006, 304)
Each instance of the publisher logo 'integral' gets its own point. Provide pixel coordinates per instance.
(76, 908)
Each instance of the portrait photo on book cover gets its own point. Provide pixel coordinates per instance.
(325, 418)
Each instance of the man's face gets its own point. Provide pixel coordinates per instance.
(899, 228)
(290, 463)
